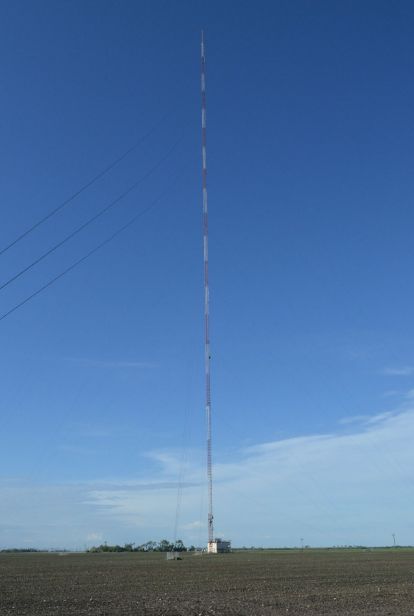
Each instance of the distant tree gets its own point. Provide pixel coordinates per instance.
(165, 546)
(149, 546)
(110, 548)
(18, 550)
(179, 546)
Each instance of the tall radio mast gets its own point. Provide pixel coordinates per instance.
(207, 356)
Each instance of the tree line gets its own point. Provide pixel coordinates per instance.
(149, 546)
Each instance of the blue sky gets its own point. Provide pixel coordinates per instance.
(310, 149)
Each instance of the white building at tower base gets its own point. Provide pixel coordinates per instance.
(218, 546)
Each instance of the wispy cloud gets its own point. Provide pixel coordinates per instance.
(402, 371)
(353, 419)
(390, 393)
(196, 524)
(336, 488)
(94, 537)
(113, 363)
(95, 430)
(367, 420)
(77, 449)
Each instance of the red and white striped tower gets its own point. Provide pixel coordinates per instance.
(207, 356)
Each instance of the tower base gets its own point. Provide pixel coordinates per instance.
(218, 546)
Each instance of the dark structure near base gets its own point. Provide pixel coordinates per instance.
(218, 546)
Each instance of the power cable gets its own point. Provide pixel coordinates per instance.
(84, 187)
(181, 471)
(92, 219)
(82, 259)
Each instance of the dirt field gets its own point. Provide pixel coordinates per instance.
(269, 582)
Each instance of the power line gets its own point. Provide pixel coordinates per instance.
(86, 256)
(93, 218)
(84, 187)
(181, 471)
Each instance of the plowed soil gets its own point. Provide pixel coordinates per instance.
(289, 583)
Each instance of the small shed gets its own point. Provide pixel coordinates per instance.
(173, 556)
(218, 546)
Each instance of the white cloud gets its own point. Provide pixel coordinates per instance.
(380, 417)
(353, 419)
(390, 393)
(366, 419)
(94, 537)
(196, 524)
(402, 371)
(330, 489)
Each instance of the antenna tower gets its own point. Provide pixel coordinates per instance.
(207, 356)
